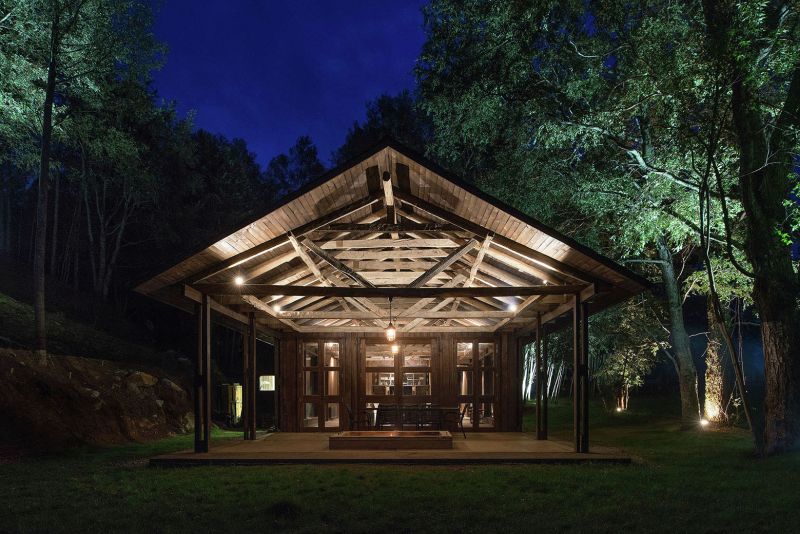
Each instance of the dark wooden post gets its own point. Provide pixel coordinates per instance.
(546, 381)
(246, 384)
(202, 383)
(250, 378)
(585, 377)
(198, 382)
(540, 434)
(580, 374)
(576, 362)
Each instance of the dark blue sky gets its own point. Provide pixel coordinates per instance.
(269, 71)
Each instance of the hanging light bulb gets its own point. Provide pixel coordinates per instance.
(239, 280)
(395, 348)
(391, 331)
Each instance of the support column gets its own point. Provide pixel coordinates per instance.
(585, 377)
(546, 381)
(202, 382)
(540, 432)
(250, 378)
(580, 374)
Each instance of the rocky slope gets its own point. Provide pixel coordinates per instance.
(71, 400)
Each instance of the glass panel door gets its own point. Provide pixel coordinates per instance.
(397, 382)
(321, 385)
(476, 379)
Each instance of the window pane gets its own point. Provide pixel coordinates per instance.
(331, 382)
(332, 354)
(311, 354)
(310, 416)
(464, 354)
(486, 354)
(380, 356)
(486, 415)
(380, 383)
(416, 384)
(311, 383)
(266, 383)
(487, 382)
(417, 355)
(464, 382)
(332, 415)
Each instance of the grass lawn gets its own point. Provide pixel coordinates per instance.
(704, 481)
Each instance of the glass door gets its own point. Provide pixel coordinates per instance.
(396, 382)
(321, 385)
(476, 374)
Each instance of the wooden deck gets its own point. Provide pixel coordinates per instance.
(312, 448)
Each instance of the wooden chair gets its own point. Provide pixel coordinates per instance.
(459, 420)
(355, 421)
(429, 417)
(387, 417)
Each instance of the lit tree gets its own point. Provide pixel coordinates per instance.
(587, 117)
(66, 47)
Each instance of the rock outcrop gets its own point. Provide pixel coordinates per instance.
(69, 400)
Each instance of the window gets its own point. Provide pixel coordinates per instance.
(266, 383)
(394, 379)
(476, 379)
(321, 384)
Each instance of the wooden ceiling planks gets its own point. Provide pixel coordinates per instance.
(521, 255)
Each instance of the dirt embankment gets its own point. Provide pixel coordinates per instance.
(69, 400)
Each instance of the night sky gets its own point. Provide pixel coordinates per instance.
(269, 71)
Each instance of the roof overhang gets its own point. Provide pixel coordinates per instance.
(391, 224)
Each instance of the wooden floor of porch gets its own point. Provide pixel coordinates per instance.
(312, 448)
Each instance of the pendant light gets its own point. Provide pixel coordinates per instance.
(391, 331)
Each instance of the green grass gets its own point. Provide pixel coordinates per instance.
(705, 481)
(67, 336)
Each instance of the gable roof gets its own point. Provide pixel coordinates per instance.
(288, 245)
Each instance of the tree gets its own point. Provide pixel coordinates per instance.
(295, 169)
(71, 44)
(756, 46)
(588, 118)
(397, 117)
(116, 177)
(625, 346)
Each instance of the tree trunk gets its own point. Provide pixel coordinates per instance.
(764, 189)
(714, 402)
(683, 360)
(54, 233)
(40, 239)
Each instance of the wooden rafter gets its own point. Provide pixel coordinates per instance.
(420, 304)
(388, 243)
(473, 271)
(419, 329)
(386, 292)
(336, 264)
(312, 266)
(520, 308)
(272, 244)
(506, 258)
(269, 265)
(433, 313)
(524, 251)
(395, 254)
(384, 227)
(260, 305)
(444, 264)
